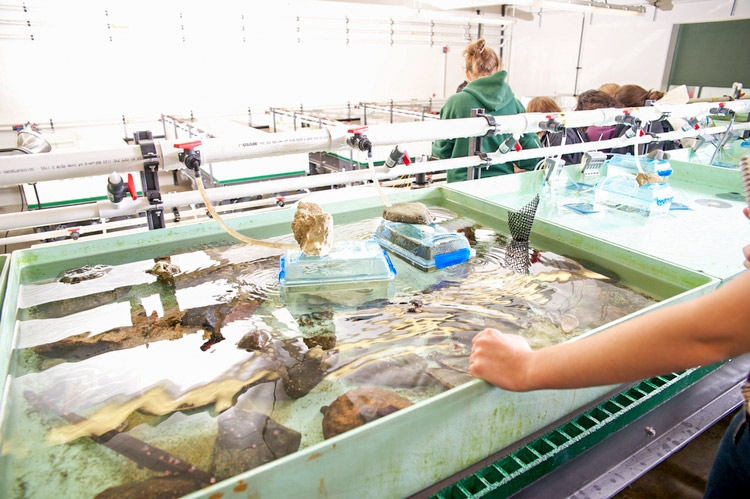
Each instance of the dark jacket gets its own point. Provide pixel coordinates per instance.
(572, 136)
(653, 127)
(492, 94)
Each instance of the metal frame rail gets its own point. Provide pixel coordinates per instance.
(610, 444)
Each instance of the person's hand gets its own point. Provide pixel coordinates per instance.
(500, 359)
(746, 251)
(746, 211)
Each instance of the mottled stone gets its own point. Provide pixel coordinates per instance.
(318, 328)
(304, 375)
(359, 406)
(248, 439)
(164, 270)
(84, 273)
(648, 178)
(313, 229)
(255, 340)
(411, 213)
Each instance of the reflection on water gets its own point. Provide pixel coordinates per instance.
(205, 363)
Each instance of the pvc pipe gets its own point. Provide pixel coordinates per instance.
(609, 144)
(568, 148)
(29, 168)
(16, 170)
(104, 209)
(64, 215)
(128, 206)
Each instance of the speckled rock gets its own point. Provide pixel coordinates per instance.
(248, 439)
(359, 406)
(411, 213)
(313, 229)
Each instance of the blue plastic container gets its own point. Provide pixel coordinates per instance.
(427, 247)
(351, 274)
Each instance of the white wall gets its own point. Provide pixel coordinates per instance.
(615, 49)
(102, 59)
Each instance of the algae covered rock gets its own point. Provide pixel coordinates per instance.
(248, 439)
(313, 229)
(410, 213)
(359, 406)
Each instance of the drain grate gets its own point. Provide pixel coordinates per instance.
(515, 471)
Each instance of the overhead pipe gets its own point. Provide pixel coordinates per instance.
(128, 206)
(15, 170)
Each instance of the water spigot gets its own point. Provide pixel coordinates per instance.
(117, 188)
(510, 143)
(551, 125)
(397, 156)
(722, 110)
(189, 155)
(358, 140)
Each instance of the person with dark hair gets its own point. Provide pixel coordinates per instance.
(637, 96)
(544, 104)
(597, 99)
(610, 88)
(594, 99)
(487, 90)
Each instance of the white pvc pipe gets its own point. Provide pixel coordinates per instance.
(16, 170)
(29, 168)
(128, 206)
(609, 144)
(567, 149)
(104, 209)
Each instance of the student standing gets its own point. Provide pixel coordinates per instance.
(487, 90)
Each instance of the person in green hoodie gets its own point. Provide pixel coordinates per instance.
(486, 89)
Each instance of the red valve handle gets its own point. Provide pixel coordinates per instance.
(131, 187)
(357, 130)
(518, 146)
(407, 160)
(188, 146)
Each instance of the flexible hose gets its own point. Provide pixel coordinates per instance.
(637, 159)
(231, 231)
(371, 167)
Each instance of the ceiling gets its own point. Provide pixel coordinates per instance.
(495, 6)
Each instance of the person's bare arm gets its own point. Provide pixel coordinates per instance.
(708, 329)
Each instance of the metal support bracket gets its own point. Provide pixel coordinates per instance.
(475, 144)
(150, 179)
